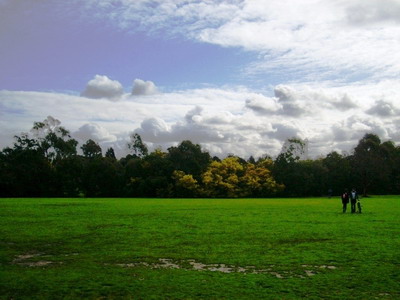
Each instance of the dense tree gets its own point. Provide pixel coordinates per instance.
(338, 177)
(388, 180)
(91, 149)
(185, 185)
(310, 178)
(222, 178)
(45, 163)
(258, 180)
(189, 158)
(284, 171)
(110, 153)
(367, 162)
(25, 172)
(69, 176)
(150, 176)
(102, 177)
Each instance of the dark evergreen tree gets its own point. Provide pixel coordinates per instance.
(189, 158)
(91, 149)
(110, 153)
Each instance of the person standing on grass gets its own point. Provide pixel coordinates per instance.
(345, 200)
(353, 200)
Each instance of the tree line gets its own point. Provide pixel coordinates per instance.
(46, 163)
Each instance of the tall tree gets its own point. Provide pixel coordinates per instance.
(338, 172)
(150, 176)
(25, 172)
(367, 162)
(284, 167)
(110, 153)
(102, 177)
(54, 140)
(136, 145)
(91, 149)
(189, 158)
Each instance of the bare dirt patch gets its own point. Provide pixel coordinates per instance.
(30, 260)
(191, 264)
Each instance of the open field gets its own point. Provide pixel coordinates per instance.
(199, 248)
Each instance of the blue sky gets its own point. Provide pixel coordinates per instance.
(235, 76)
(65, 48)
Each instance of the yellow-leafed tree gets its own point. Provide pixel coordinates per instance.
(233, 178)
(185, 184)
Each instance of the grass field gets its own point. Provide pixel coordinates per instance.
(199, 248)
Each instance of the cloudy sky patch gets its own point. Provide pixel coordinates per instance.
(103, 87)
(236, 76)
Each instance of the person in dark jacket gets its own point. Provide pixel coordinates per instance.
(353, 200)
(345, 200)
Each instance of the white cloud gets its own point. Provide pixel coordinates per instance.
(345, 103)
(95, 132)
(317, 39)
(103, 87)
(263, 105)
(226, 120)
(383, 108)
(141, 87)
(373, 11)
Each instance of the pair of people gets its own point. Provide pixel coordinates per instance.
(354, 200)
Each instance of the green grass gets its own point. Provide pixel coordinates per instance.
(111, 249)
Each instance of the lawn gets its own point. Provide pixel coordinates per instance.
(199, 248)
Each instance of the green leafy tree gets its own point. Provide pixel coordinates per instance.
(69, 176)
(25, 172)
(91, 149)
(189, 158)
(367, 162)
(390, 178)
(102, 177)
(54, 140)
(110, 153)
(150, 176)
(338, 172)
(286, 169)
(137, 146)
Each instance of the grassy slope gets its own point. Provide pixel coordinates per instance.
(87, 239)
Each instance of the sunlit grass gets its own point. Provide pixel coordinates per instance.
(249, 248)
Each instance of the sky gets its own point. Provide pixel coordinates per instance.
(236, 76)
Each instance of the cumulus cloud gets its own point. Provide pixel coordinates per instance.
(283, 131)
(344, 103)
(299, 102)
(154, 130)
(95, 132)
(263, 105)
(193, 128)
(103, 87)
(383, 108)
(141, 87)
(223, 121)
(353, 128)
